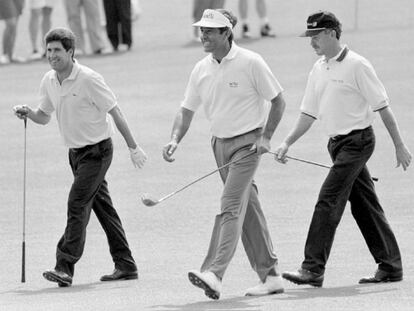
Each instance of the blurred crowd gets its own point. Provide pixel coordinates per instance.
(115, 17)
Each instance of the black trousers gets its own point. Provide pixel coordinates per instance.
(89, 191)
(118, 22)
(349, 179)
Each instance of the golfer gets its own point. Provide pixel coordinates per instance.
(235, 86)
(344, 92)
(85, 108)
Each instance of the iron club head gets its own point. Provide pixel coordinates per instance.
(148, 201)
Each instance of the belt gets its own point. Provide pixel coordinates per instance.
(258, 130)
(87, 147)
(340, 137)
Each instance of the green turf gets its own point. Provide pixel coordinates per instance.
(171, 238)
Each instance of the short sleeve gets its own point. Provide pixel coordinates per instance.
(309, 103)
(370, 86)
(99, 92)
(192, 99)
(45, 104)
(266, 83)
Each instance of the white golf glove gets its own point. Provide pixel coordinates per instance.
(21, 111)
(138, 156)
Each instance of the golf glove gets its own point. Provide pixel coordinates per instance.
(21, 111)
(138, 156)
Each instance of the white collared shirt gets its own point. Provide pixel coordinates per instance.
(235, 93)
(81, 103)
(343, 93)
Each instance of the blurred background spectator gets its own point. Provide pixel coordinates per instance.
(40, 14)
(93, 24)
(261, 8)
(10, 10)
(118, 22)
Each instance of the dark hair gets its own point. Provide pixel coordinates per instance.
(233, 21)
(64, 36)
(338, 31)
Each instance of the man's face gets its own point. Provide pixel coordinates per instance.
(212, 39)
(59, 59)
(322, 42)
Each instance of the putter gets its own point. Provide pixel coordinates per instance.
(24, 206)
(311, 162)
(150, 201)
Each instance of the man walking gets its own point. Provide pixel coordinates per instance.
(235, 86)
(343, 92)
(85, 108)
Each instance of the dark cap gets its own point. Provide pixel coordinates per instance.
(320, 21)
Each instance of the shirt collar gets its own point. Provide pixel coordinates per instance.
(74, 72)
(340, 56)
(230, 55)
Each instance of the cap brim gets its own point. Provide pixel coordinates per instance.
(208, 24)
(311, 33)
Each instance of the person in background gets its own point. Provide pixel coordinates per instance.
(243, 101)
(93, 24)
(10, 10)
(40, 14)
(261, 8)
(118, 22)
(86, 109)
(344, 92)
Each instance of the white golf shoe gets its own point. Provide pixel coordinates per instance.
(207, 281)
(272, 285)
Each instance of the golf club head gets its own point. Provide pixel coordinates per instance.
(148, 201)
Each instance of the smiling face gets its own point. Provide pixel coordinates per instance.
(215, 40)
(59, 59)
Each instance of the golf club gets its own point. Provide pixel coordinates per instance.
(149, 201)
(24, 206)
(311, 162)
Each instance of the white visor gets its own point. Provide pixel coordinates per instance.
(213, 19)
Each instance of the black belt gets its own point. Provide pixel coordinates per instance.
(87, 147)
(340, 137)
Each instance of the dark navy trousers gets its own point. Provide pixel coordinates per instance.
(350, 180)
(89, 191)
(118, 22)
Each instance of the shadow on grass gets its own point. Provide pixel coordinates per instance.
(235, 304)
(247, 303)
(335, 292)
(96, 286)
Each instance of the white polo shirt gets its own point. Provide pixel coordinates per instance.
(235, 93)
(81, 103)
(343, 93)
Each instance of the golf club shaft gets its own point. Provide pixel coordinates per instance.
(313, 163)
(202, 177)
(24, 206)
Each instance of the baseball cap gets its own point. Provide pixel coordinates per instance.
(213, 19)
(320, 21)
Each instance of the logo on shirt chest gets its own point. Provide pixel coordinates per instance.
(233, 84)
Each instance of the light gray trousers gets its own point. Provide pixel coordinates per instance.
(241, 213)
(93, 23)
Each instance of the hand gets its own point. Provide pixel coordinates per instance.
(262, 145)
(403, 156)
(138, 156)
(169, 150)
(21, 111)
(281, 152)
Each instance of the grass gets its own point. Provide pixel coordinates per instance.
(169, 239)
